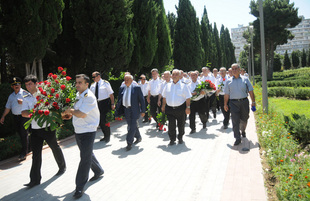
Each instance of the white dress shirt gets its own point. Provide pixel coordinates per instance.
(127, 94)
(87, 103)
(154, 87)
(12, 102)
(162, 86)
(176, 94)
(192, 86)
(222, 81)
(104, 90)
(144, 87)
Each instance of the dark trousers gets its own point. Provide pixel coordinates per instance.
(85, 142)
(104, 107)
(154, 109)
(146, 116)
(213, 103)
(37, 138)
(197, 106)
(225, 114)
(239, 115)
(22, 132)
(176, 117)
(133, 130)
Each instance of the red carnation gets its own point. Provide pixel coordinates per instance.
(68, 100)
(57, 107)
(158, 124)
(164, 129)
(121, 119)
(45, 81)
(30, 115)
(57, 82)
(40, 89)
(46, 112)
(50, 74)
(57, 95)
(63, 87)
(107, 124)
(54, 77)
(40, 112)
(55, 104)
(38, 98)
(223, 79)
(68, 78)
(47, 103)
(41, 82)
(42, 100)
(63, 73)
(60, 68)
(52, 90)
(44, 93)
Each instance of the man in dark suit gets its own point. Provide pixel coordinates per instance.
(130, 98)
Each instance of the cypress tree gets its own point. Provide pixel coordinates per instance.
(171, 22)
(163, 52)
(277, 63)
(287, 62)
(187, 45)
(303, 58)
(308, 61)
(218, 53)
(206, 38)
(295, 59)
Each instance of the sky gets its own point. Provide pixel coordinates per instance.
(230, 13)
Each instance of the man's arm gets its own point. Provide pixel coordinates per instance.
(226, 98)
(188, 103)
(112, 101)
(252, 95)
(76, 113)
(163, 106)
(6, 111)
(158, 101)
(26, 113)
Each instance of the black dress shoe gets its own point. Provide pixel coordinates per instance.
(193, 131)
(32, 184)
(181, 141)
(107, 140)
(243, 134)
(144, 121)
(128, 148)
(137, 141)
(61, 171)
(225, 127)
(78, 194)
(96, 176)
(102, 139)
(214, 115)
(22, 157)
(204, 125)
(172, 143)
(238, 141)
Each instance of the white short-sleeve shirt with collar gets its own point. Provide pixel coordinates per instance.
(104, 91)
(12, 102)
(176, 93)
(154, 86)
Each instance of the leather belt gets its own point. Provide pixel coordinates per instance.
(241, 99)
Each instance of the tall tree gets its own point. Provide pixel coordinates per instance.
(103, 28)
(218, 52)
(163, 52)
(277, 63)
(187, 45)
(303, 58)
(278, 16)
(206, 37)
(287, 62)
(171, 22)
(145, 35)
(28, 28)
(295, 59)
(227, 48)
(308, 60)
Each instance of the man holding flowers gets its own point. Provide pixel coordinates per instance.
(39, 133)
(86, 119)
(222, 83)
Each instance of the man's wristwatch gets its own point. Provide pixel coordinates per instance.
(188, 107)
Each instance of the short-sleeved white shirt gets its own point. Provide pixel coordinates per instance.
(154, 86)
(104, 91)
(87, 104)
(12, 102)
(144, 87)
(176, 94)
(222, 81)
(162, 86)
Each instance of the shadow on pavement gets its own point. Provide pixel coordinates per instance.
(122, 153)
(244, 147)
(121, 137)
(175, 149)
(201, 135)
(101, 145)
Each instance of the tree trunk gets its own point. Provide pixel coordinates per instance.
(34, 68)
(27, 66)
(40, 70)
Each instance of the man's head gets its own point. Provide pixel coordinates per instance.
(235, 70)
(167, 76)
(128, 80)
(194, 76)
(205, 71)
(154, 72)
(142, 78)
(96, 76)
(81, 82)
(215, 71)
(31, 83)
(230, 72)
(16, 84)
(242, 71)
(223, 71)
(176, 75)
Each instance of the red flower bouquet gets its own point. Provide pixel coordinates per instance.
(54, 96)
(206, 86)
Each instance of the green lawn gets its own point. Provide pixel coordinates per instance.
(288, 106)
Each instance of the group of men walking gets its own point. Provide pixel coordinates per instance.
(171, 94)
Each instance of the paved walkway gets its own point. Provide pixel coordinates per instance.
(206, 167)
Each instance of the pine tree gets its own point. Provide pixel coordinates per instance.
(206, 38)
(303, 58)
(188, 51)
(287, 62)
(218, 54)
(277, 63)
(171, 22)
(295, 59)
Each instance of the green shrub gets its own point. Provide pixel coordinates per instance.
(292, 83)
(65, 130)
(299, 126)
(10, 146)
(298, 93)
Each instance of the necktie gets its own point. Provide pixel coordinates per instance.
(96, 90)
(127, 97)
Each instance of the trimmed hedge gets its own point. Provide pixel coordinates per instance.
(297, 93)
(299, 126)
(293, 83)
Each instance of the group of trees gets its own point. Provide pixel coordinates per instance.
(297, 59)
(109, 36)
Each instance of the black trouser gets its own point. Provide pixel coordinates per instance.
(226, 114)
(239, 115)
(176, 114)
(37, 138)
(197, 106)
(210, 104)
(104, 107)
(146, 116)
(154, 109)
(22, 132)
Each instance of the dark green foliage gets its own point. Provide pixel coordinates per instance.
(10, 146)
(171, 22)
(293, 83)
(298, 93)
(217, 51)
(308, 60)
(65, 130)
(287, 61)
(299, 126)
(277, 63)
(295, 59)
(8, 128)
(278, 16)
(188, 51)
(206, 38)
(244, 57)
(303, 59)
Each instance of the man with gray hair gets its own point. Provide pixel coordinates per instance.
(236, 92)
(153, 92)
(176, 103)
(222, 84)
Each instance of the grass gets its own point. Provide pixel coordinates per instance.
(288, 106)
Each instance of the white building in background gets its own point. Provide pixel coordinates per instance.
(300, 41)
